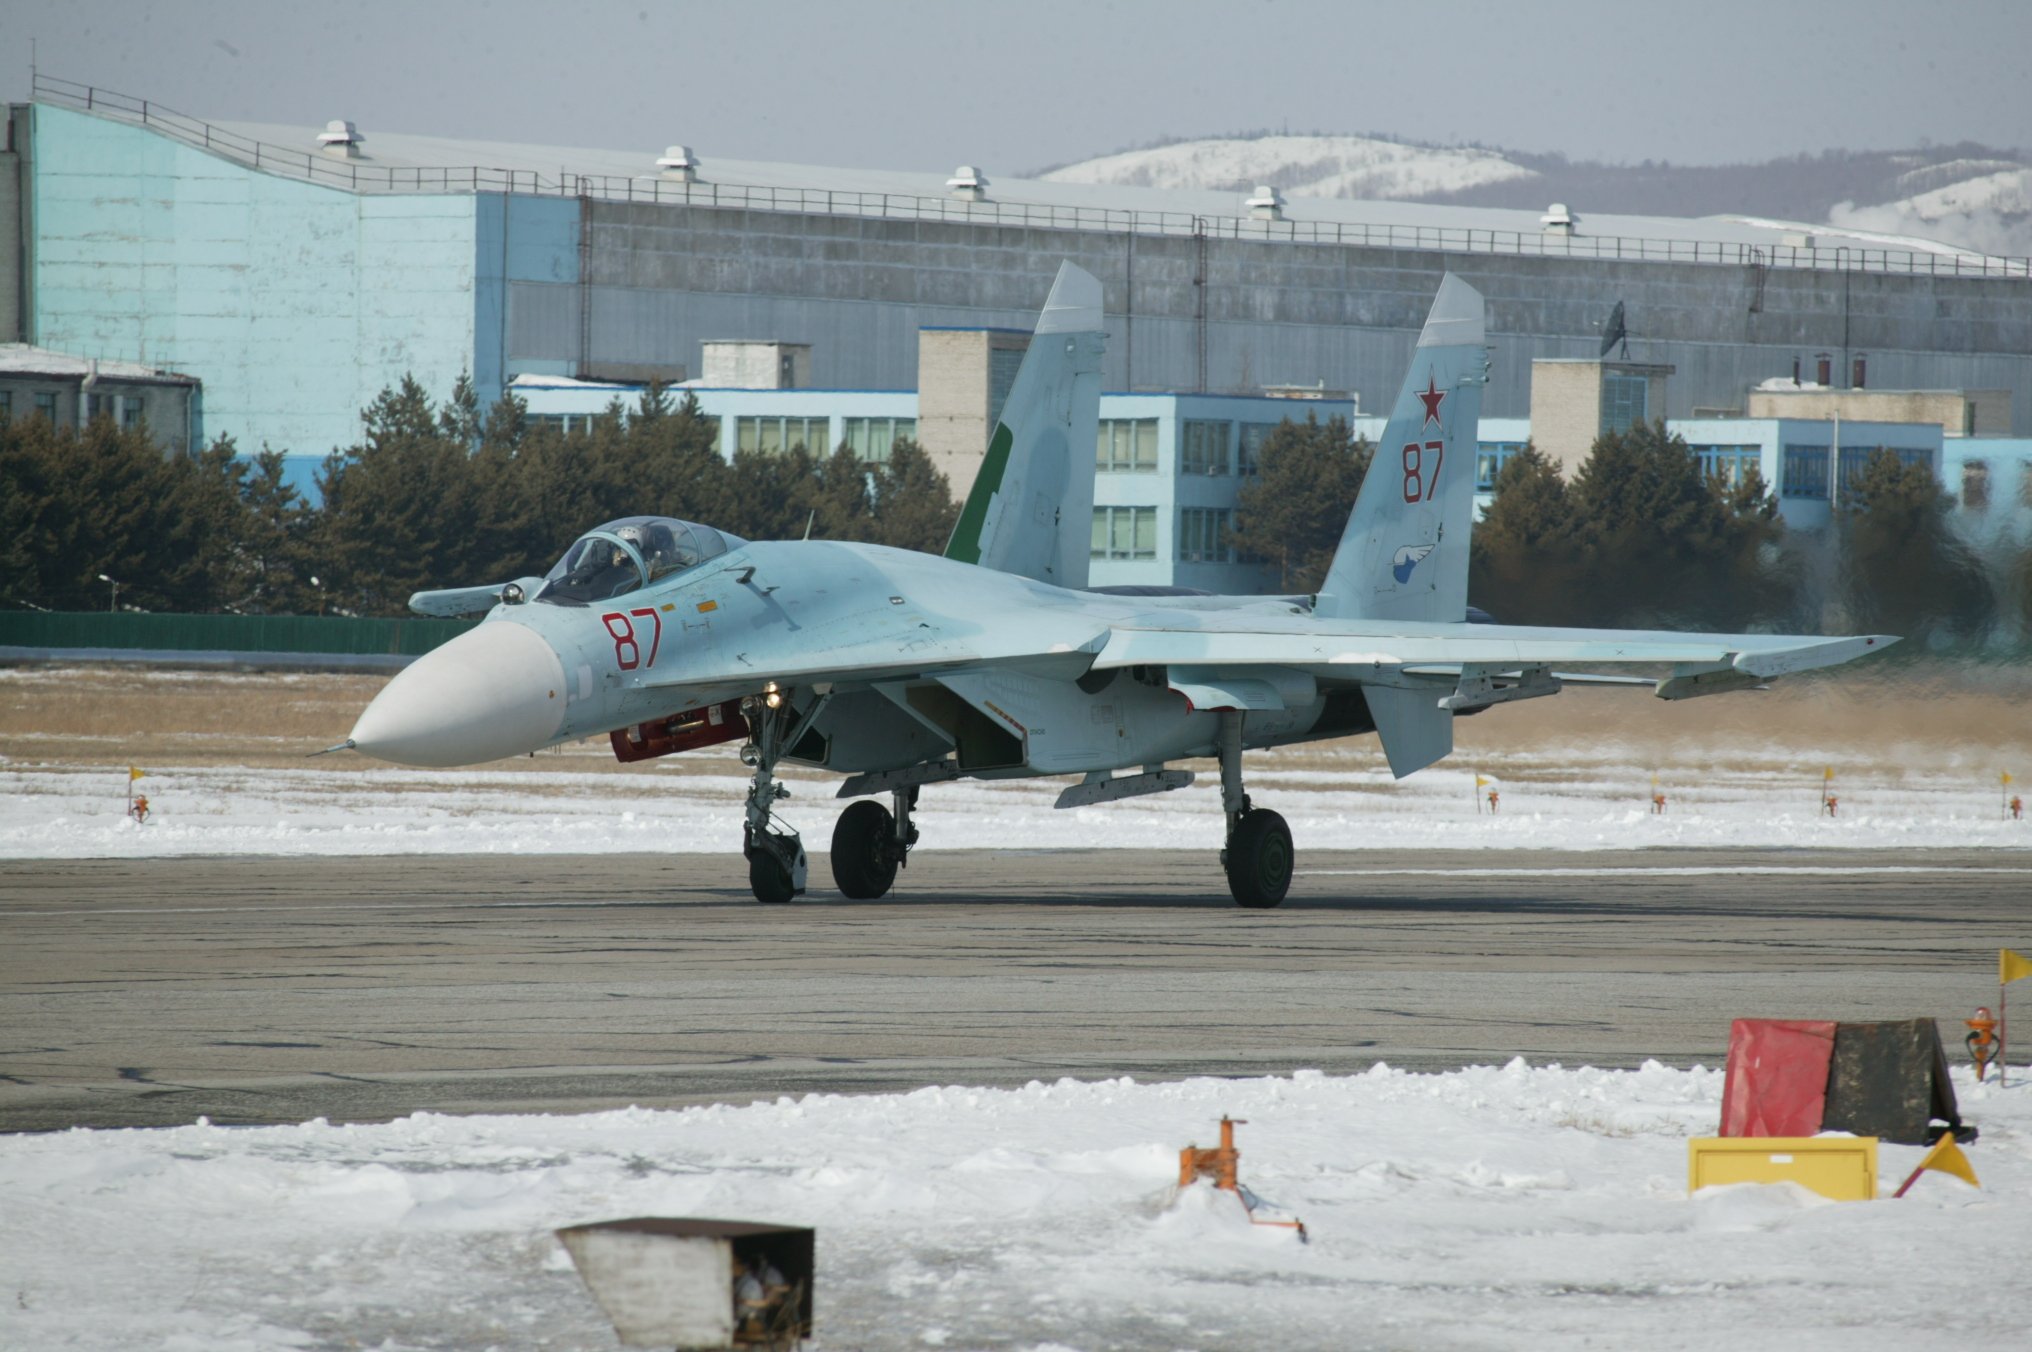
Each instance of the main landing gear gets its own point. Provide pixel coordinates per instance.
(1257, 857)
(776, 866)
(870, 843)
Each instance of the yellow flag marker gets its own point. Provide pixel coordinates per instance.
(134, 774)
(1945, 1158)
(2011, 966)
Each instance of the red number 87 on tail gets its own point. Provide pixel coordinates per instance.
(1418, 485)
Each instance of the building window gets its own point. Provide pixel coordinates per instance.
(1805, 474)
(1203, 535)
(1730, 465)
(1626, 401)
(774, 436)
(873, 438)
(1125, 533)
(130, 410)
(1490, 457)
(1126, 446)
(1253, 437)
(98, 406)
(1975, 485)
(6, 405)
(1854, 459)
(1205, 448)
(45, 404)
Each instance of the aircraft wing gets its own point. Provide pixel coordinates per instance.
(1347, 651)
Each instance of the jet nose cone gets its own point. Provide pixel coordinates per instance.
(495, 691)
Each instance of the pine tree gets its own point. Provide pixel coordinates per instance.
(1907, 573)
(1665, 546)
(912, 501)
(276, 526)
(1526, 562)
(1295, 509)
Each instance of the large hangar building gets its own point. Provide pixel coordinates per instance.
(296, 271)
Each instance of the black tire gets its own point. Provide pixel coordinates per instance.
(767, 878)
(1260, 860)
(864, 851)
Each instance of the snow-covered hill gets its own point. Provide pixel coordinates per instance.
(1991, 211)
(1966, 196)
(1299, 166)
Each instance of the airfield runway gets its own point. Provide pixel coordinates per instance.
(142, 993)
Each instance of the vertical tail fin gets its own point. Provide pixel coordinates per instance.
(1404, 554)
(1032, 505)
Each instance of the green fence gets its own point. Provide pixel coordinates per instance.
(225, 633)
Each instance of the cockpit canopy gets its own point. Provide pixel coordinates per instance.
(626, 555)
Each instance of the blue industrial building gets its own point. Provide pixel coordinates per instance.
(297, 272)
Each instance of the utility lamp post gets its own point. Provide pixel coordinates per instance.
(320, 592)
(112, 602)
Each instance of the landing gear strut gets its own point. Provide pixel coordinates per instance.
(776, 866)
(1257, 856)
(870, 843)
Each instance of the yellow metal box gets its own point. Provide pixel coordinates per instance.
(1843, 1168)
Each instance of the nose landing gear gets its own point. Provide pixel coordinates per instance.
(776, 863)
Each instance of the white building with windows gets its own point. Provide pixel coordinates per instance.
(1808, 462)
(1169, 468)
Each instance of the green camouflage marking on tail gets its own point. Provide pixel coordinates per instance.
(1031, 508)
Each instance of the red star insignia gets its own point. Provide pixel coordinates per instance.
(1432, 398)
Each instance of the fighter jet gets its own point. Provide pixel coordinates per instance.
(997, 661)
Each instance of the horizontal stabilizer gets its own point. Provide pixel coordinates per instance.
(1414, 730)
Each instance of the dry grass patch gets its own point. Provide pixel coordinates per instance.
(115, 715)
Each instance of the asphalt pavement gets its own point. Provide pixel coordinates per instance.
(143, 993)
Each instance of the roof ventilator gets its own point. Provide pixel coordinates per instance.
(679, 164)
(1266, 203)
(1559, 220)
(341, 139)
(968, 184)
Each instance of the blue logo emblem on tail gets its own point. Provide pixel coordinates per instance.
(1407, 558)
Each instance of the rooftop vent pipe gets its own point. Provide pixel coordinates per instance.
(1558, 220)
(968, 184)
(341, 138)
(677, 162)
(1266, 204)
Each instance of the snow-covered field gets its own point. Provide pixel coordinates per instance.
(1562, 798)
(1512, 1207)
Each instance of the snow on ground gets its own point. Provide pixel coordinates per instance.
(1550, 799)
(1512, 1207)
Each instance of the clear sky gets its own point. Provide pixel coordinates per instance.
(1019, 84)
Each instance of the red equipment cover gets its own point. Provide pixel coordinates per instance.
(1777, 1077)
